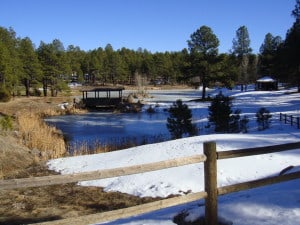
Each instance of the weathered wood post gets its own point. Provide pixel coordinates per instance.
(210, 181)
(280, 117)
(285, 119)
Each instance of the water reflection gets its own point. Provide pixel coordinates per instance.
(105, 127)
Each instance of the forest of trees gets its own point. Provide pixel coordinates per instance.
(51, 66)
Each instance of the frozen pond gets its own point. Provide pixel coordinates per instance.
(108, 127)
(105, 126)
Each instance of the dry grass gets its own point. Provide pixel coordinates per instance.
(31, 205)
(13, 157)
(97, 146)
(36, 134)
(21, 155)
(31, 141)
(32, 131)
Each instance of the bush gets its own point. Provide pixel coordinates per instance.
(219, 113)
(179, 121)
(236, 124)
(244, 124)
(263, 117)
(6, 123)
(5, 95)
(234, 121)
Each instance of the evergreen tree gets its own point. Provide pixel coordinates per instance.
(228, 72)
(241, 43)
(292, 46)
(244, 124)
(296, 11)
(179, 122)
(31, 68)
(203, 47)
(234, 121)
(220, 112)
(241, 49)
(75, 58)
(54, 65)
(268, 51)
(263, 117)
(10, 67)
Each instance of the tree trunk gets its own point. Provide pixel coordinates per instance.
(203, 91)
(45, 87)
(298, 78)
(204, 88)
(27, 86)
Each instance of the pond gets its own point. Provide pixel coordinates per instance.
(108, 127)
(143, 127)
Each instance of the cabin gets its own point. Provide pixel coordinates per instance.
(266, 83)
(102, 97)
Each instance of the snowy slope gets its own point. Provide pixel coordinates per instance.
(276, 204)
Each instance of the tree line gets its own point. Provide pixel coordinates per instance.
(51, 66)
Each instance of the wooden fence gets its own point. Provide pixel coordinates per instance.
(210, 194)
(293, 120)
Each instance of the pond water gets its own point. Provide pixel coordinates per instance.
(107, 127)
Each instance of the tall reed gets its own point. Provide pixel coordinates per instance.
(36, 134)
(95, 146)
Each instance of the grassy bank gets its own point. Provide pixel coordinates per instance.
(37, 135)
(23, 153)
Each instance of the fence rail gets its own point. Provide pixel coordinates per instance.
(210, 194)
(293, 120)
(99, 174)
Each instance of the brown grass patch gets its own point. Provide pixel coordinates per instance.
(36, 134)
(32, 205)
(13, 157)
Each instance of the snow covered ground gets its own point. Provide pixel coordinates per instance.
(275, 204)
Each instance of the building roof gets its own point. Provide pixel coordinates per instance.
(266, 79)
(103, 89)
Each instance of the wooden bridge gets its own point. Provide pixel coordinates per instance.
(102, 97)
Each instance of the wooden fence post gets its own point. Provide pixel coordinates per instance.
(280, 117)
(210, 181)
(284, 118)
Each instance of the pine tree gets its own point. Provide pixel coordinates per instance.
(241, 49)
(203, 47)
(234, 121)
(31, 68)
(179, 121)
(263, 117)
(219, 113)
(244, 124)
(268, 51)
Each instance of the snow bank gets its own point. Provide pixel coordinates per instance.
(276, 204)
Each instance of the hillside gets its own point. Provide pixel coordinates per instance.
(14, 157)
(32, 205)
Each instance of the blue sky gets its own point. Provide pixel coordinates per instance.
(155, 25)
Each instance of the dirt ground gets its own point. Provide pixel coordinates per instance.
(22, 206)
